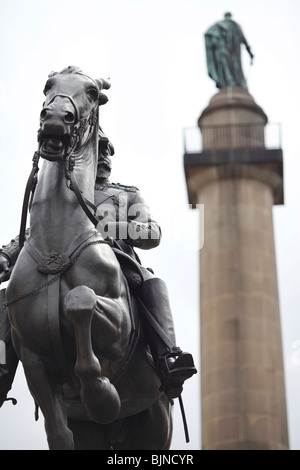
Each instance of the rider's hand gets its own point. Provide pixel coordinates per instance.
(4, 268)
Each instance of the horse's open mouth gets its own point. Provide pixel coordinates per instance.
(54, 147)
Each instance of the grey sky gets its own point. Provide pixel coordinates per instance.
(153, 51)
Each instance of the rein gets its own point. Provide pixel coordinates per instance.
(28, 196)
(73, 185)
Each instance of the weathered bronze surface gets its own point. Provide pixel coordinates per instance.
(75, 322)
(223, 53)
(51, 326)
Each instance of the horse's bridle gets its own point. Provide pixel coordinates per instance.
(81, 125)
(79, 130)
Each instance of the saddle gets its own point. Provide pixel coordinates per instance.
(130, 268)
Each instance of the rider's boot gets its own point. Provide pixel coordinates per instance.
(173, 366)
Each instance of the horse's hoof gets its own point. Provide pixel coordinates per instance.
(102, 401)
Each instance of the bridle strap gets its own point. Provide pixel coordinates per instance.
(29, 191)
(82, 200)
(69, 167)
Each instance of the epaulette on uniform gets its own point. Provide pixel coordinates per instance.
(130, 189)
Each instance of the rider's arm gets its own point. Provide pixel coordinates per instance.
(11, 251)
(125, 216)
(143, 231)
(8, 257)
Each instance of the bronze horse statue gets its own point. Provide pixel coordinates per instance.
(74, 323)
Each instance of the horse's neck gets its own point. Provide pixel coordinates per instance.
(56, 217)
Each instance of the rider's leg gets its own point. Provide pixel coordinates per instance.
(173, 366)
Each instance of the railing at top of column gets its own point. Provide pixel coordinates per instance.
(232, 136)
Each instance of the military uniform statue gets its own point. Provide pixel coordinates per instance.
(126, 219)
(223, 53)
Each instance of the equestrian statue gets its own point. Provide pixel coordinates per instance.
(92, 327)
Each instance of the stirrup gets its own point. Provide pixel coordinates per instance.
(174, 374)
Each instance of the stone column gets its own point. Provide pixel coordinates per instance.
(242, 373)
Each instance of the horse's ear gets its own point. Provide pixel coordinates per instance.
(103, 84)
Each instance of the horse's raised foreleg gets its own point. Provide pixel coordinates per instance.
(48, 394)
(98, 395)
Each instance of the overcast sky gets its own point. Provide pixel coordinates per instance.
(153, 51)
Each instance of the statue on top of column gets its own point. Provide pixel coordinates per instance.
(223, 53)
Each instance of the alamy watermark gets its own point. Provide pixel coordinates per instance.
(121, 221)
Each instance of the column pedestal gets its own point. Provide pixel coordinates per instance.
(242, 373)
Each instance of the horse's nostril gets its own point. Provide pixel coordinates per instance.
(69, 117)
(43, 114)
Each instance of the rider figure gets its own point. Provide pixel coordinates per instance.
(126, 218)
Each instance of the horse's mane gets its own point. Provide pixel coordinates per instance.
(66, 70)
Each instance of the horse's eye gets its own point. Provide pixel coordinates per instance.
(47, 87)
(93, 93)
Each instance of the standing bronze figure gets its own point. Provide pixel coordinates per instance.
(223, 43)
(75, 324)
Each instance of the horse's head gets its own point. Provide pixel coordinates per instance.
(70, 112)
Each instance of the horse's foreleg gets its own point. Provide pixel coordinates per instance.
(48, 395)
(98, 395)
